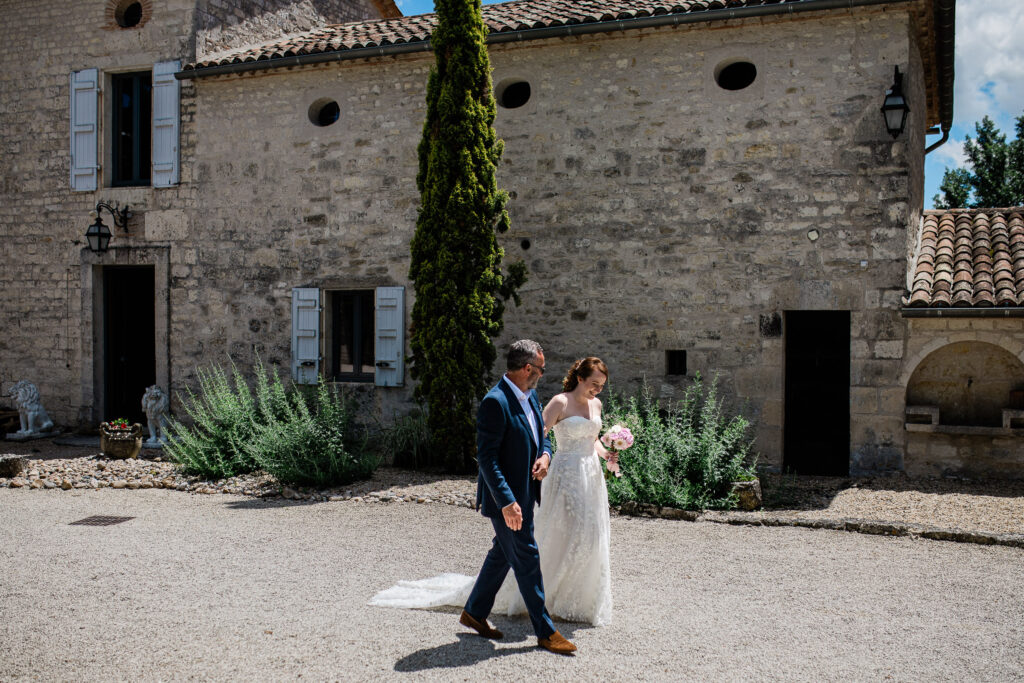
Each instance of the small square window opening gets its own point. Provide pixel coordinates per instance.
(675, 362)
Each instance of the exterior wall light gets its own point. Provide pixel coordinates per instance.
(98, 234)
(895, 108)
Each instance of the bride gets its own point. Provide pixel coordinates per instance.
(571, 525)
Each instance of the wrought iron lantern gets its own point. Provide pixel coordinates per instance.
(895, 108)
(98, 234)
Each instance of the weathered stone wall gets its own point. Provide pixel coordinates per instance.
(226, 24)
(50, 311)
(47, 329)
(971, 456)
(662, 212)
(970, 381)
(967, 366)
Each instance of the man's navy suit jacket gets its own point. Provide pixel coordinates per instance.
(505, 451)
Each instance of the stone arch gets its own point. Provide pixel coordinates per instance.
(969, 380)
(910, 363)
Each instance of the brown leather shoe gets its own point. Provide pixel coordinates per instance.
(556, 643)
(481, 627)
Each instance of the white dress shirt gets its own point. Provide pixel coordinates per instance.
(524, 402)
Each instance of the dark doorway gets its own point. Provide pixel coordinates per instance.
(129, 340)
(817, 409)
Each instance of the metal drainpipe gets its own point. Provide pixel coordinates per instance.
(945, 31)
(540, 33)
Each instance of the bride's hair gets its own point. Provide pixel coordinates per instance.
(582, 369)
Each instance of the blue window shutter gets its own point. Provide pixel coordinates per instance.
(389, 346)
(305, 335)
(84, 129)
(166, 95)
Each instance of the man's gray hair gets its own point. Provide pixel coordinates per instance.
(521, 353)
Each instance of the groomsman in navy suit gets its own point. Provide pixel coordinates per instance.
(513, 452)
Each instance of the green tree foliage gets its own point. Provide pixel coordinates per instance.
(995, 174)
(955, 188)
(455, 258)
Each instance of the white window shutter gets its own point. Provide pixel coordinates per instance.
(389, 347)
(305, 335)
(166, 90)
(84, 129)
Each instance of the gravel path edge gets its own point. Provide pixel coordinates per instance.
(862, 526)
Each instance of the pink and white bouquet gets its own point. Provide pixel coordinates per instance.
(616, 440)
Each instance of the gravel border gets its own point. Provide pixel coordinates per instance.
(984, 513)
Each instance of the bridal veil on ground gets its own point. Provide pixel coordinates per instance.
(573, 535)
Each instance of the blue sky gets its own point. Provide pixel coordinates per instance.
(989, 75)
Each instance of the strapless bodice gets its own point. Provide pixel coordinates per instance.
(575, 435)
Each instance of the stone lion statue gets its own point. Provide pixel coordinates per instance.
(34, 418)
(155, 404)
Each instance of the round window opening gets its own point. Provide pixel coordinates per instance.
(513, 95)
(128, 14)
(735, 76)
(324, 112)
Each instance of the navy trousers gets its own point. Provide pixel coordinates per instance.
(515, 550)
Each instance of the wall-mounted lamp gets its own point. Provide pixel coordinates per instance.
(98, 235)
(895, 108)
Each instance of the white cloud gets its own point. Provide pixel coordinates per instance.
(950, 155)
(989, 62)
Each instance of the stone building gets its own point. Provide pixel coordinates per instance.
(91, 331)
(963, 364)
(697, 187)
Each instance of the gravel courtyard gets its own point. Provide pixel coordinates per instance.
(234, 588)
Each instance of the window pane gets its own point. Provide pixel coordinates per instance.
(123, 137)
(368, 332)
(132, 128)
(144, 130)
(346, 329)
(352, 330)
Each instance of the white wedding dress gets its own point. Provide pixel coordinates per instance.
(573, 536)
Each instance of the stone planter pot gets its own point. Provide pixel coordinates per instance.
(749, 493)
(120, 443)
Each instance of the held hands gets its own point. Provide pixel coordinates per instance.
(513, 516)
(540, 467)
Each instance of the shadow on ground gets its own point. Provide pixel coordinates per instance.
(797, 492)
(469, 648)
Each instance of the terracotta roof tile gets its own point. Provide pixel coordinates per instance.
(499, 18)
(969, 258)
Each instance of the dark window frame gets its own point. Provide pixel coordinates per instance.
(357, 308)
(131, 125)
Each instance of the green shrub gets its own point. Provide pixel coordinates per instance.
(686, 454)
(308, 438)
(224, 419)
(406, 441)
(299, 435)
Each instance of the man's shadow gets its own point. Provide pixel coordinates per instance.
(471, 648)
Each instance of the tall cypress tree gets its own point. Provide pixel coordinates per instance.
(455, 258)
